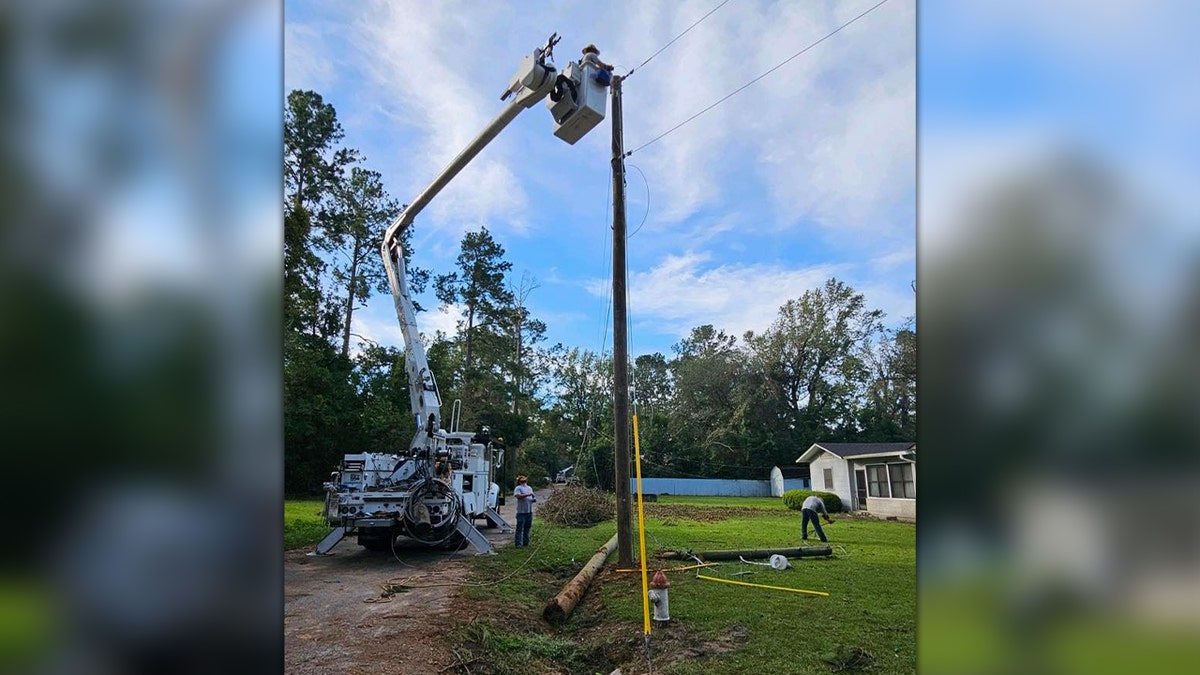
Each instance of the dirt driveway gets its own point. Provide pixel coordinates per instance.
(335, 620)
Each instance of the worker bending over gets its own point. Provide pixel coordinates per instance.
(808, 511)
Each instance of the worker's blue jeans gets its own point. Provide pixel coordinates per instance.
(807, 515)
(524, 522)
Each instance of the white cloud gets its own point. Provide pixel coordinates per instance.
(444, 319)
(829, 136)
(305, 65)
(895, 298)
(428, 70)
(826, 140)
(377, 323)
(373, 326)
(902, 256)
(681, 293)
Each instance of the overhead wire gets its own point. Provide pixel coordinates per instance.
(647, 213)
(629, 325)
(689, 28)
(608, 266)
(777, 67)
(603, 335)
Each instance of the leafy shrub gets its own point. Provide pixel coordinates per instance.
(576, 506)
(795, 499)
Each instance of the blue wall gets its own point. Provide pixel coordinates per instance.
(703, 486)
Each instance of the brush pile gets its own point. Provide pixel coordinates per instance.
(577, 506)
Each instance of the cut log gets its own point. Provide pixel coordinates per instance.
(560, 606)
(800, 552)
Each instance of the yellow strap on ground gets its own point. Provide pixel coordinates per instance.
(637, 462)
(777, 588)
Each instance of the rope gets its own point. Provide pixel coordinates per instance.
(774, 588)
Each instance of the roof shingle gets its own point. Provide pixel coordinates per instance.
(844, 450)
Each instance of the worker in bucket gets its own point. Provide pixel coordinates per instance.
(591, 56)
(808, 511)
(525, 500)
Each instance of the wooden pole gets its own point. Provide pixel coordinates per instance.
(620, 344)
(560, 606)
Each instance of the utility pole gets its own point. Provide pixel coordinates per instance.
(620, 347)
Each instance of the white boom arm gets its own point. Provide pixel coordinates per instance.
(531, 83)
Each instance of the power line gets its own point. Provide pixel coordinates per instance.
(777, 67)
(608, 247)
(676, 38)
(647, 213)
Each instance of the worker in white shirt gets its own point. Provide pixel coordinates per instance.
(591, 56)
(525, 500)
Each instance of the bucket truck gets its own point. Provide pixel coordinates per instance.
(435, 489)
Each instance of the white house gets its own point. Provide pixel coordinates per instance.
(879, 478)
(784, 478)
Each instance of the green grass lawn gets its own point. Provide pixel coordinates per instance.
(872, 604)
(302, 523)
(730, 629)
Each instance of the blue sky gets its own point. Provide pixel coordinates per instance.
(807, 174)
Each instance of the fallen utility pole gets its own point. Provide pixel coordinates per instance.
(560, 606)
(620, 345)
(801, 552)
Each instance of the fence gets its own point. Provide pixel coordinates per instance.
(719, 487)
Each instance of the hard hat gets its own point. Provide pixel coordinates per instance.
(591, 48)
(779, 562)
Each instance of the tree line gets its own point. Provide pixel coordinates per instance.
(719, 405)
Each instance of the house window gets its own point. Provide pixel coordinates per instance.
(902, 481)
(877, 481)
(828, 479)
